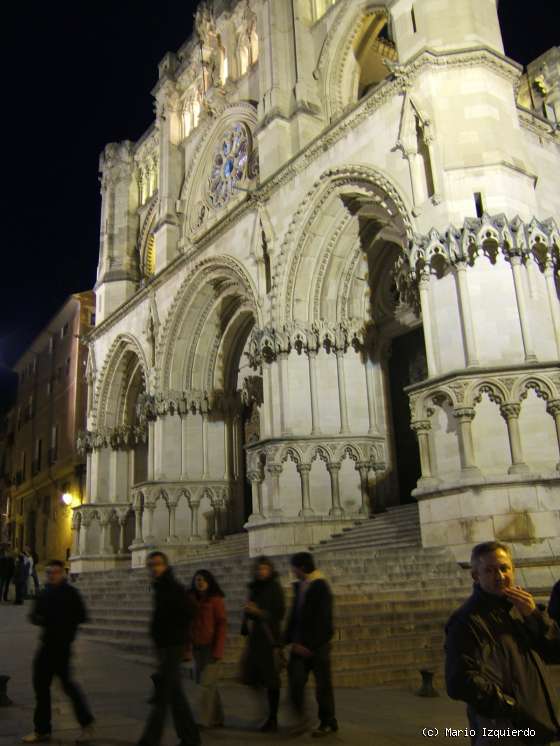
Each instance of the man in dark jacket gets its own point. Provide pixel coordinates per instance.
(8, 574)
(21, 576)
(169, 629)
(59, 610)
(554, 603)
(497, 646)
(309, 631)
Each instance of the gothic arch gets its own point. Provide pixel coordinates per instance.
(194, 187)
(125, 361)
(345, 207)
(215, 302)
(353, 34)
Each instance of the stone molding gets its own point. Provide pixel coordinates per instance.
(488, 236)
(149, 493)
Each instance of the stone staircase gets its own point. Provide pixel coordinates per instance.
(391, 602)
(397, 527)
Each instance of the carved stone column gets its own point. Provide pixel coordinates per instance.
(204, 445)
(218, 519)
(150, 508)
(424, 292)
(138, 538)
(464, 417)
(510, 413)
(526, 334)
(342, 402)
(273, 504)
(303, 471)
(76, 521)
(284, 393)
(553, 409)
(122, 527)
(363, 468)
(172, 516)
(84, 525)
(465, 313)
(370, 388)
(315, 426)
(336, 510)
(553, 302)
(256, 479)
(104, 523)
(194, 506)
(422, 429)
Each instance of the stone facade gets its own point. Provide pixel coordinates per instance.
(340, 231)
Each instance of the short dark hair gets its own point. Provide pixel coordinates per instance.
(303, 561)
(487, 547)
(55, 563)
(157, 553)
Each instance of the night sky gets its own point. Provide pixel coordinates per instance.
(76, 76)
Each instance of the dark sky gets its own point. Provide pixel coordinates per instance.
(76, 76)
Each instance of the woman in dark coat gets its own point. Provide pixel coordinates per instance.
(262, 622)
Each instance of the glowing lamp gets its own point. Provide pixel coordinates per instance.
(67, 498)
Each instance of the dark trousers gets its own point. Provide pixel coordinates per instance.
(21, 588)
(4, 587)
(169, 693)
(51, 661)
(299, 669)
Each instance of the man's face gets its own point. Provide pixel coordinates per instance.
(55, 574)
(156, 566)
(494, 572)
(298, 573)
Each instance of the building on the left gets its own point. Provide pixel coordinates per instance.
(43, 475)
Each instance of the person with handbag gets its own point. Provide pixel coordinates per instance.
(262, 623)
(208, 634)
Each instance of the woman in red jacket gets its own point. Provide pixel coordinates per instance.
(208, 640)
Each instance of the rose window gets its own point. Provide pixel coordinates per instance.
(230, 165)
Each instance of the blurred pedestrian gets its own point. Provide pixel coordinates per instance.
(58, 610)
(262, 622)
(9, 567)
(21, 576)
(169, 629)
(34, 561)
(208, 640)
(497, 645)
(309, 631)
(554, 603)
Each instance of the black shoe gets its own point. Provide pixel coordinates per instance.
(270, 726)
(325, 729)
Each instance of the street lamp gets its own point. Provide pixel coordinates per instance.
(67, 498)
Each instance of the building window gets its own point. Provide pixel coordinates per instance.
(67, 367)
(413, 19)
(478, 204)
(51, 344)
(92, 319)
(36, 465)
(49, 388)
(64, 331)
(53, 450)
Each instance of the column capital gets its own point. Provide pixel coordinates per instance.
(510, 411)
(301, 468)
(553, 407)
(420, 426)
(464, 414)
(333, 467)
(275, 469)
(255, 476)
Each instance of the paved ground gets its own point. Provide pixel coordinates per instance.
(118, 687)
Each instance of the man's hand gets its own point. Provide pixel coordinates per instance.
(301, 650)
(252, 609)
(522, 600)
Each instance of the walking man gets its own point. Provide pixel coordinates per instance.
(59, 610)
(309, 631)
(21, 576)
(9, 567)
(34, 557)
(497, 645)
(170, 627)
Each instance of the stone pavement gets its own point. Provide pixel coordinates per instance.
(117, 688)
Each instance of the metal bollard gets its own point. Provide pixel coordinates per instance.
(4, 699)
(427, 688)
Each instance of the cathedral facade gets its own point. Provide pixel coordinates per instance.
(328, 285)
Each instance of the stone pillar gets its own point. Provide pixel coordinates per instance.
(424, 291)
(273, 507)
(464, 417)
(306, 509)
(268, 408)
(227, 447)
(284, 393)
(363, 468)
(84, 525)
(104, 522)
(150, 508)
(138, 538)
(510, 413)
(553, 303)
(370, 388)
(76, 521)
(256, 479)
(526, 334)
(194, 506)
(422, 429)
(315, 423)
(553, 409)
(172, 515)
(336, 510)
(184, 428)
(204, 445)
(218, 519)
(342, 403)
(465, 313)
(122, 527)
(87, 496)
(151, 450)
